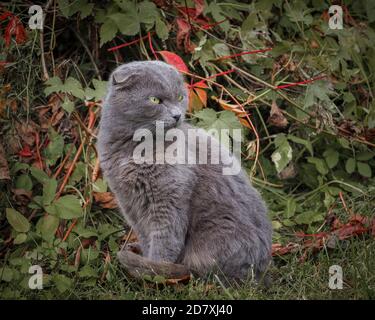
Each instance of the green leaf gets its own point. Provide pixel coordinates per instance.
(24, 182)
(68, 105)
(20, 238)
(126, 23)
(364, 169)
(53, 84)
(214, 123)
(221, 49)
(108, 31)
(66, 207)
(332, 158)
(74, 87)
(85, 9)
(161, 29)
(17, 220)
(206, 116)
(290, 208)
(88, 272)
(99, 186)
(78, 173)
(304, 142)
(55, 147)
(350, 165)
(364, 156)
(85, 232)
(308, 217)
(320, 165)
(6, 274)
(99, 92)
(71, 85)
(47, 226)
(283, 153)
(19, 166)
(70, 8)
(318, 90)
(49, 191)
(39, 175)
(62, 282)
(147, 12)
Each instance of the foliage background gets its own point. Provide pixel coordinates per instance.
(309, 147)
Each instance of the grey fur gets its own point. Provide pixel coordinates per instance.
(190, 215)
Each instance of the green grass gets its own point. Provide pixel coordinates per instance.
(292, 279)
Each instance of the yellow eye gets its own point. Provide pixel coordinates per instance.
(155, 100)
(180, 97)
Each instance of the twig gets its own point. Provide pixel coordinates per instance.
(69, 230)
(128, 43)
(95, 172)
(348, 211)
(242, 53)
(39, 158)
(299, 83)
(58, 171)
(43, 60)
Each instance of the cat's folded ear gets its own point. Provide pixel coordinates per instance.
(125, 77)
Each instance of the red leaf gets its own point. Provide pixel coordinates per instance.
(199, 84)
(25, 152)
(15, 27)
(199, 7)
(183, 35)
(5, 15)
(174, 60)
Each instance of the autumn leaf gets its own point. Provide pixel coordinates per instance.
(174, 60)
(16, 28)
(197, 96)
(277, 118)
(105, 200)
(25, 152)
(183, 35)
(231, 107)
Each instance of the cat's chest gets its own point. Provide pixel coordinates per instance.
(153, 180)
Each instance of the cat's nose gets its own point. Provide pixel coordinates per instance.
(177, 117)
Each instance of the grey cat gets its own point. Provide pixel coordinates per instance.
(188, 218)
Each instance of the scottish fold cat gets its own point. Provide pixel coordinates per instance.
(189, 218)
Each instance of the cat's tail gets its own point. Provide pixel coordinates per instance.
(137, 266)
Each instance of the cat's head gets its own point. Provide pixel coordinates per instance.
(143, 92)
